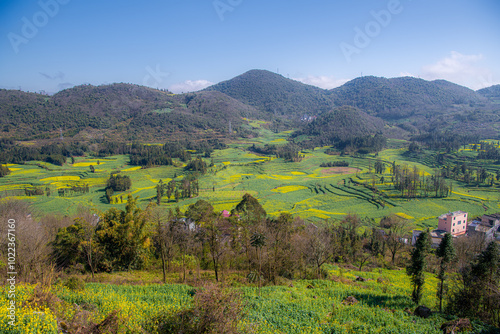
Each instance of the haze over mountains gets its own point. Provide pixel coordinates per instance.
(142, 113)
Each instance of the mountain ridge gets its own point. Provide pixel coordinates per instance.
(142, 113)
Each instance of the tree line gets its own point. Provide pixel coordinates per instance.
(289, 152)
(472, 290)
(186, 188)
(413, 182)
(140, 154)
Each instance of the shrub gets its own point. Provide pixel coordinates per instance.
(75, 284)
(217, 309)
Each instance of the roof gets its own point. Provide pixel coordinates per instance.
(474, 223)
(483, 228)
(454, 213)
(438, 233)
(226, 213)
(493, 215)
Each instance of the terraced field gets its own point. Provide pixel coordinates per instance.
(301, 188)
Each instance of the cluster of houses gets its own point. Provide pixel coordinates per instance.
(457, 224)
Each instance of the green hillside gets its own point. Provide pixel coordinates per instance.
(130, 112)
(275, 94)
(492, 93)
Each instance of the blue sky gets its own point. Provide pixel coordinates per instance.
(185, 45)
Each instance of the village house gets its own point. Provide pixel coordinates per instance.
(488, 227)
(454, 223)
(436, 237)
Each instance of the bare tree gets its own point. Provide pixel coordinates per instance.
(279, 232)
(31, 240)
(164, 236)
(89, 247)
(397, 229)
(317, 247)
(217, 241)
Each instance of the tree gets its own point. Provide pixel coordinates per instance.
(316, 250)
(201, 211)
(251, 214)
(183, 239)
(109, 194)
(32, 240)
(89, 247)
(124, 236)
(164, 236)
(119, 182)
(379, 167)
(250, 210)
(216, 240)
(446, 252)
(279, 231)
(258, 240)
(397, 227)
(160, 189)
(478, 290)
(418, 264)
(65, 250)
(4, 171)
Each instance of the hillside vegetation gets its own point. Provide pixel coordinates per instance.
(275, 94)
(134, 112)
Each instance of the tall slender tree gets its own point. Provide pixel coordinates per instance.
(446, 252)
(258, 240)
(418, 263)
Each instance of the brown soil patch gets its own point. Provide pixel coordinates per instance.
(340, 170)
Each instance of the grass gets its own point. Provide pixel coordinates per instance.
(301, 188)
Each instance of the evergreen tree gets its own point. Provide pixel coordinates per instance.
(478, 292)
(160, 190)
(258, 240)
(418, 263)
(446, 252)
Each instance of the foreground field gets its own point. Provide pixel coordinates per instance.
(303, 307)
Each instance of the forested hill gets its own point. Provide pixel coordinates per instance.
(275, 94)
(340, 127)
(398, 98)
(129, 111)
(492, 93)
(135, 112)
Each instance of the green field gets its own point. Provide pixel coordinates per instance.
(304, 307)
(302, 188)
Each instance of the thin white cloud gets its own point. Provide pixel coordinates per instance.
(189, 86)
(322, 81)
(462, 69)
(407, 74)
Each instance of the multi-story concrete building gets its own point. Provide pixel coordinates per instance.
(453, 222)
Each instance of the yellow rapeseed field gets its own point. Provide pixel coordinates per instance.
(61, 178)
(287, 189)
